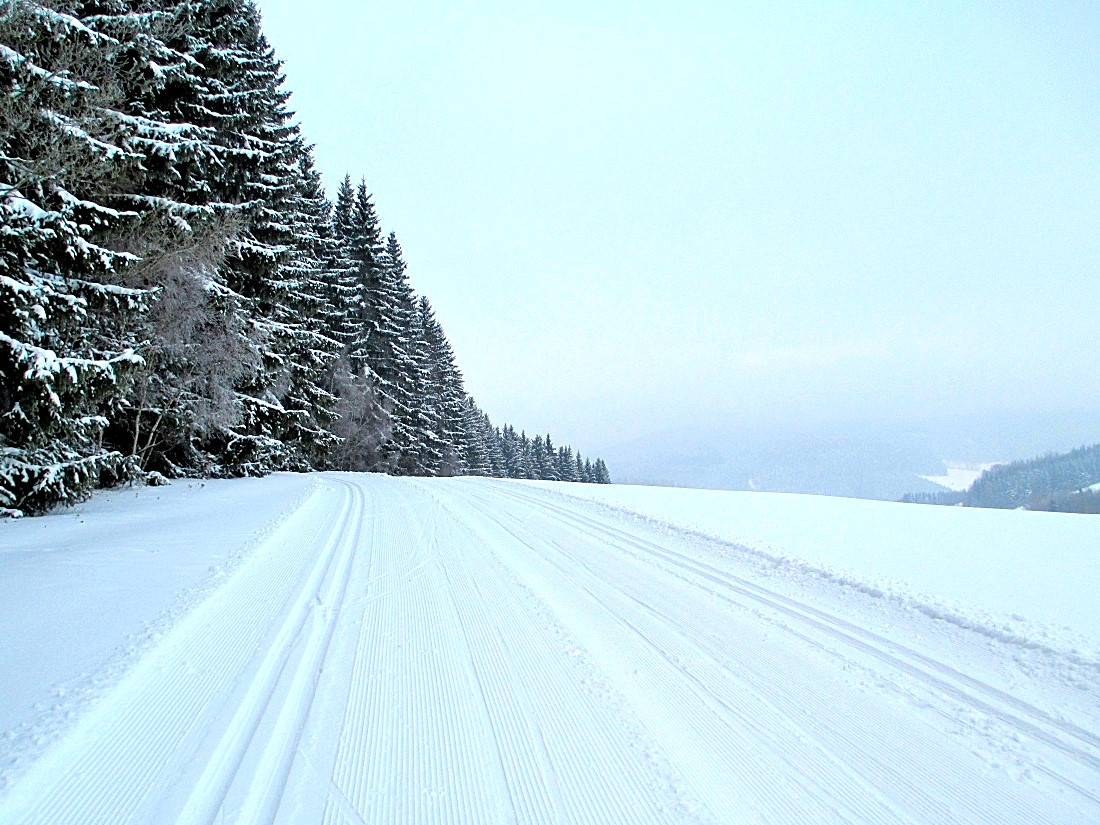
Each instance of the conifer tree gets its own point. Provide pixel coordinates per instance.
(567, 470)
(444, 398)
(550, 467)
(397, 368)
(509, 446)
(301, 318)
(477, 452)
(346, 324)
(497, 464)
(427, 445)
(65, 322)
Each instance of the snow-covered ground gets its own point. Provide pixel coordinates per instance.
(960, 476)
(359, 649)
(1010, 573)
(84, 592)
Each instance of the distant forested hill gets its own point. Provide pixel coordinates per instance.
(1059, 482)
(1038, 481)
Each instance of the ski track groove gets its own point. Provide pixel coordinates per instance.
(271, 775)
(505, 712)
(107, 777)
(919, 804)
(889, 651)
(205, 805)
(773, 789)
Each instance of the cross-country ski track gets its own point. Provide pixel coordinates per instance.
(477, 651)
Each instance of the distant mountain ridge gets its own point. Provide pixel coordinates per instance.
(859, 459)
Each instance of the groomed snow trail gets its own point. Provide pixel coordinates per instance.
(469, 651)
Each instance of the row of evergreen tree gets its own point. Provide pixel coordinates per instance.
(178, 297)
(1062, 482)
(1035, 482)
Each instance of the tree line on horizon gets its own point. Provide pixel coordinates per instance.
(1055, 482)
(179, 297)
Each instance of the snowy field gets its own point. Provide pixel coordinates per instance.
(347, 649)
(1010, 573)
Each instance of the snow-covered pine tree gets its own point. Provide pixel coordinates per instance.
(567, 470)
(430, 435)
(539, 458)
(193, 340)
(527, 465)
(509, 446)
(426, 452)
(550, 472)
(493, 442)
(260, 148)
(397, 367)
(579, 473)
(364, 243)
(365, 398)
(65, 322)
(444, 397)
(601, 473)
(345, 322)
(302, 319)
(477, 451)
(220, 239)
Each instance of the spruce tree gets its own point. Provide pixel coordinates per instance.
(345, 321)
(477, 451)
(567, 470)
(550, 470)
(397, 368)
(444, 396)
(493, 441)
(66, 342)
(510, 447)
(365, 397)
(310, 355)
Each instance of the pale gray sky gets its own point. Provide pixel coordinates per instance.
(629, 214)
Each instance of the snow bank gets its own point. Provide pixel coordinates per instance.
(1028, 576)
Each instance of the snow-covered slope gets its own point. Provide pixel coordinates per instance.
(469, 651)
(1019, 574)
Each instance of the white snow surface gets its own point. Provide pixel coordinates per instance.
(345, 649)
(960, 476)
(85, 591)
(1015, 574)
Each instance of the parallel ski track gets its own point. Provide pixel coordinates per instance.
(586, 766)
(462, 710)
(735, 590)
(736, 737)
(142, 737)
(1074, 741)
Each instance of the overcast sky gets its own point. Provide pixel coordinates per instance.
(629, 213)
